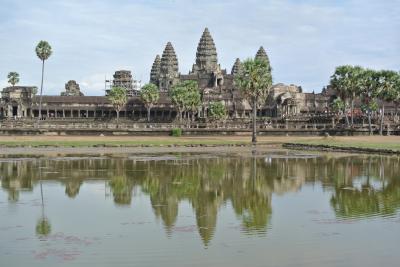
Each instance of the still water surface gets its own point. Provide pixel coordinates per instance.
(276, 209)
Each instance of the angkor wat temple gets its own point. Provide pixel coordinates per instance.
(215, 84)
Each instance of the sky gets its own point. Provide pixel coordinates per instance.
(91, 39)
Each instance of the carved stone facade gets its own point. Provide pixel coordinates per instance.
(72, 89)
(16, 101)
(124, 78)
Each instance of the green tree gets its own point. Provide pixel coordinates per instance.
(217, 111)
(13, 78)
(387, 91)
(369, 83)
(186, 97)
(118, 99)
(346, 81)
(255, 81)
(43, 51)
(338, 107)
(193, 98)
(149, 95)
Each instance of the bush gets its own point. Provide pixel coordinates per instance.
(176, 132)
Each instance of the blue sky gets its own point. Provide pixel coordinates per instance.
(305, 39)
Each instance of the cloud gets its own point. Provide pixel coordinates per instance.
(305, 39)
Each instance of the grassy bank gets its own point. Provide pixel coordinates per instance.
(366, 144)
(375, 142)
(116, 143)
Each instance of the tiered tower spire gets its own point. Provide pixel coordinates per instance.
(155, 70)
(261, 54)
(169, 71)
(206, 55)
(236, 67)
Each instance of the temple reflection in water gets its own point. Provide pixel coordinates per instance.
(360, 187)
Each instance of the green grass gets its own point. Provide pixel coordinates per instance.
(130, 143)
(339, 143)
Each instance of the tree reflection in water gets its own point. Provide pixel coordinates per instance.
(360, 186)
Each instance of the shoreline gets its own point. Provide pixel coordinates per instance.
(340, 149)
(97, 145)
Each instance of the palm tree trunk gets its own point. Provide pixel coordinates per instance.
(254, 135)
(382, 118)
(369, 121)
(352, 111)
(148, 114)
(347, 117)
(117, 117)
(41, 95)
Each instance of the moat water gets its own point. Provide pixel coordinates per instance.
(273, 209)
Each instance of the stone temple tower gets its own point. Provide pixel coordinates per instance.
(206, 68)
(206, 55)
(155, 71)
(261, 54)
(236, 67)
(169, 71)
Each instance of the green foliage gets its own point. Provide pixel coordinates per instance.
(346, 81)
(389, 85)
(371, 105)
(217, 110)
(177, 132)
(149, 94)
(43, 50)
(254, 79)
(13, 78)
(185, 96)
(338, 105)
(117, 97)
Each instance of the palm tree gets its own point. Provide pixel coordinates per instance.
(346, 81)
(13, 78)
(255, 81)
(387, 91)
(43, 51)
(149, 95)
(118, 99)
(369, 81)
(193, 98)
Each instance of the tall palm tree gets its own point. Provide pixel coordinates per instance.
(118, 99)
(255, 81)
(13, 78)
(369, 82)
(346, 81)
(43, 51)
(149, 95)
(387, 91)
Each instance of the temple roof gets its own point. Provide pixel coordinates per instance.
(206, 55)
(169, 61)
(236, 67)
(155, 70)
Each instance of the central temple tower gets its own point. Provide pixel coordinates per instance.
(206, 55)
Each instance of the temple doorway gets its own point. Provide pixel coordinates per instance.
(14, 111)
